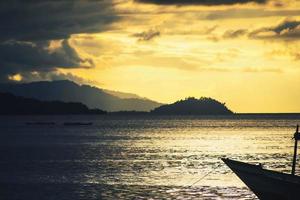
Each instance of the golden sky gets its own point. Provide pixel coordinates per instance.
(246, 55)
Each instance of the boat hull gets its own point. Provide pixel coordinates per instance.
(266, 184)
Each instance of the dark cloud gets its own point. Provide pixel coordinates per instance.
(278, 4)
(27, 27)
(147, 35)
(287, 30)
(27, 57)
(201, 2)
(231, 34)
(51, 19)
(249, 13)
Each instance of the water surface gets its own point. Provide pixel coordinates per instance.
(137, 157)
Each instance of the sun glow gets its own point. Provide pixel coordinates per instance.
(170, 52)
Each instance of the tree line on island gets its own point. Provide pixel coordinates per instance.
(11, 104)
(35, 101)
(193, 106)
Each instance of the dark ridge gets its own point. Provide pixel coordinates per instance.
(14, 105)
(193, 106)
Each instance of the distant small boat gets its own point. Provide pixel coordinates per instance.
(268, 184)
(78, 124)
(40, 123)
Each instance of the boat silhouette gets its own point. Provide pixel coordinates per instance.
(268, 184)
(40, 123)
(78, 123)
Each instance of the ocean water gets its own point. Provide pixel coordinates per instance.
(137, 157)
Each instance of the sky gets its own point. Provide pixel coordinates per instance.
(242, 52)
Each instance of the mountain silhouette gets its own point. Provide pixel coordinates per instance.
(193, 106)
(11, 104)
(123, 95)
(69, 91)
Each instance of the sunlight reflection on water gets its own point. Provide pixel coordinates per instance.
(144, 158)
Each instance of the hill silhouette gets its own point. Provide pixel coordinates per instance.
(68, 91)
(193, 106)
(11, 104)
(123, 95)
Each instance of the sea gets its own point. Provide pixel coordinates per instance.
(138, 156)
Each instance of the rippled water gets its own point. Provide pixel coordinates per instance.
(137, 157)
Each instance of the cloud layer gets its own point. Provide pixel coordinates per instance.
(49, 20)
(29, 26)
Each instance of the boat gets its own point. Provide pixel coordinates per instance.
(40, 123)
(268, 184)
(78, 124)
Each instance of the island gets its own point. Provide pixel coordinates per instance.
(193, 106)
